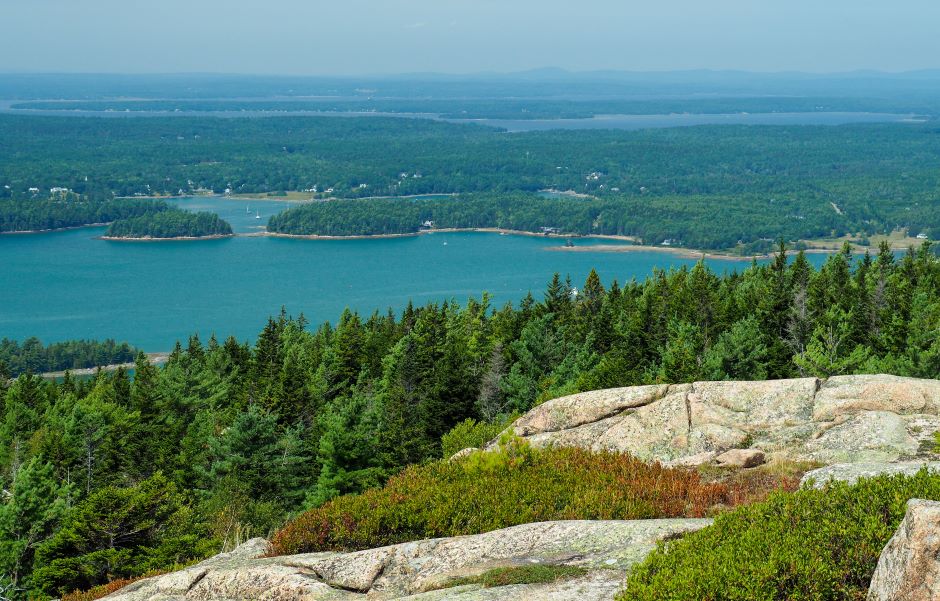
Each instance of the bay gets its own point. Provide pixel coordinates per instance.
(65, 285)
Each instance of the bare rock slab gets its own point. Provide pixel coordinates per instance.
(843, 419)
(418, 570)
(909, 567)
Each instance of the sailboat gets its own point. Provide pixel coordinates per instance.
(248, 209)
(257, 214)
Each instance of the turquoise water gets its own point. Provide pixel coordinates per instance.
(67, 285)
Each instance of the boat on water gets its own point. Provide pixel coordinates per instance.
(257, 214)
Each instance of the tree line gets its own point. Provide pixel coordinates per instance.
(814, 180)
(114, 477)
(45, 213)
(746, 224)
(32, 356)
(172, 223)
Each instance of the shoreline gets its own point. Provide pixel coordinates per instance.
(52, 231)
(633, 246)
(173, 239)
(154, 358)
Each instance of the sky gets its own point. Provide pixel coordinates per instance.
(374, 37)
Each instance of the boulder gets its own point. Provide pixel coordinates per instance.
(909, 566)
(847, 395)
(852, 472)
(585, 408)
(843, 419)
(423, 569)
(741, 458)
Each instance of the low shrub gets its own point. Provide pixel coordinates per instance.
(533, 574)
(471, 434)
(808, 544)
(515, 485)
(103, 590)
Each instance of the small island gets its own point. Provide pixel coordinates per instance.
(173, 224)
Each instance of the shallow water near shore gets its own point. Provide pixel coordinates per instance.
(66, 285)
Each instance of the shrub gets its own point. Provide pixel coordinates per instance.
(516, 485)
(809, 544)
(471, 433)
(533, 574)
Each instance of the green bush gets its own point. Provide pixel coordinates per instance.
(533, 574)
(488, 491)
(810, 544)
(471, 433)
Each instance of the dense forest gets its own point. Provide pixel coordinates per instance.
(173, 223)
(507, 108)
(745, 223)
(814, 180)
(51, 213)
(114, 477)
(32, 356)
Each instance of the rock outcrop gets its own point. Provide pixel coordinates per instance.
(851, 472)
(418, 570)
(843, 419)
(909, 567)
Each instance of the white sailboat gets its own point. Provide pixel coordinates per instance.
(257, 214)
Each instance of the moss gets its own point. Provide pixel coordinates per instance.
(531, 574)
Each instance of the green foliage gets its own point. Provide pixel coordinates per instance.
(29, 516)
(252, 434)
(702, 187)
(118, 532)
(533, 574)
(31, 355)
(809, 544)
(171, 223)
(488, 491)
(471, 434)
(41, 214)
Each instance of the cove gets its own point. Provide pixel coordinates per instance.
(65, 285)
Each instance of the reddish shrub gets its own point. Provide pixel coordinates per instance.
(518, 485)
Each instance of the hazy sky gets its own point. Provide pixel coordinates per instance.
(394, 36)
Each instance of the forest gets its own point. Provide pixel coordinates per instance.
(743, 224)
(58, 212)
(508, 108)
(829, 180)
(172, 223)
(116, 477)
(32, 356)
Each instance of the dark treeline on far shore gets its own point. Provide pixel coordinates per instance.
(32, 356)
(681, 184)
(30, 214)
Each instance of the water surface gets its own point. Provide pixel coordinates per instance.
(66, 285)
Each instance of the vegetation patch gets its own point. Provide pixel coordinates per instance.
(173, 223)
(531, 574)
(515, 485)
(808, 544)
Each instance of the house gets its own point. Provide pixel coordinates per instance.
(922, 236)
(428, 224)
(549, 230)
(667, 242)
(34, 190)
